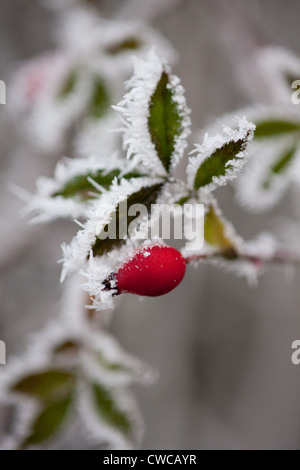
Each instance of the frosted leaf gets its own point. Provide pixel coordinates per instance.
(269, 174)
(274, 161)
(268, 75)
(106, 45)
(97, 358)
(220, 158)
(99, 216)
(141, 139)
(106, 363)
(55, 115)
(111, 417)
(270, 122)
(69, 193)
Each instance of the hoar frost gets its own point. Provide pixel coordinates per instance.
(135, 109)
(210, 145)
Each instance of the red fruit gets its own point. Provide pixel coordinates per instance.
(153, 271)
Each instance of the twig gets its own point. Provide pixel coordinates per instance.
(281, 257)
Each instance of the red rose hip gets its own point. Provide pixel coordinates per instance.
(154, 270)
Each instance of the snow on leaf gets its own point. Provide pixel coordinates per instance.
(165, 121)
(72, 188)
(47, 423)
(111, 417)
(136, 190)
(106, 46)
(157, 118)
(269, 174)
(106, 362)
(109, 411)
(220, 158)
(146, 196)
(278, 63)
(45, 384)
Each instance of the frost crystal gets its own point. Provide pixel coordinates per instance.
(210, 145)
(135, 108)
(49, 206)
(99, 215)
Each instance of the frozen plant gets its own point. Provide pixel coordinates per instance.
(274, 166)
(64, 97)
(74, 368)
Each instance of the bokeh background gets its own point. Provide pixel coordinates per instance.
(223, 349)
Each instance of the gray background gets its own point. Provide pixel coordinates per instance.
(223, 349)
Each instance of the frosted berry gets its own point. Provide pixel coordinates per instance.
(153, 271)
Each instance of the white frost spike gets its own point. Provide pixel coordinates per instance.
(210, 145)
(135, 108)
(99, 215)
(46, 208)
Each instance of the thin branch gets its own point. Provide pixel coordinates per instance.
(281, 257)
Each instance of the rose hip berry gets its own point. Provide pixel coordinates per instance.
(152, 271)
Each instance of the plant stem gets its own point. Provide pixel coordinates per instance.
(281, 256)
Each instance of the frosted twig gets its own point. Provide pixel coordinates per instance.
(281, 256)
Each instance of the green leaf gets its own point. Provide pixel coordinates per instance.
(81, 187)
(46, 384)
(109, 411)
(217, 164)
(146, 196)
(183, 200)
(129, 44)
(67, 347)
(69, 85)
(100, 100)
(215, 231)
(280, 166)
(112, 366)
(165, 121)
(274, 128)
(48, 422)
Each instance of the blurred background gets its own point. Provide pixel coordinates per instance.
(222, 348)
